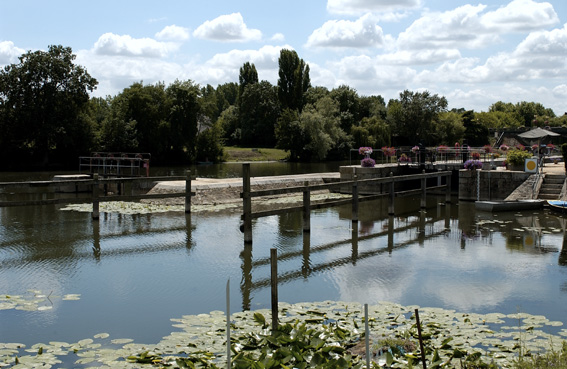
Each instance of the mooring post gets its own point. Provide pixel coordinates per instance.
(187, 191)
(355, 199)
(448, 190)
(247, 203)
(306, 207)
(392, 195)
(423, 191)
(95, 214)
(274, 284)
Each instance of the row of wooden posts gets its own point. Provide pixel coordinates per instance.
(346, 186)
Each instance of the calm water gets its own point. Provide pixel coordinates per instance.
(136, 272)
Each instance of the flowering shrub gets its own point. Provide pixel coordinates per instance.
(475, 155)
(487, 149)
(534, 147)
(551, 147)
(517, 157)
(367, 163)
(365, 150)
(389, 151)
(520, 147)
(473, 164)
(404, 159)
(504, 148)
(415, 149)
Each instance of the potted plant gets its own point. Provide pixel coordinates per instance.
(516, 159)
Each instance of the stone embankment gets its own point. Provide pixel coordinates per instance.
(215, 191)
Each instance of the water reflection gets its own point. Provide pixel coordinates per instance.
(163, 266)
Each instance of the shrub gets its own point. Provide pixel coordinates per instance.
(368, 162)
(517, 157)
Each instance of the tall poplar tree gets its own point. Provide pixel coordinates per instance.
(293, 80)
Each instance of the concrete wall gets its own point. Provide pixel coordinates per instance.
(494, 184)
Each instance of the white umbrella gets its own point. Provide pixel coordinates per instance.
(537, 134)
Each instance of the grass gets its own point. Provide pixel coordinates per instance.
(241, 154)
(551, 359)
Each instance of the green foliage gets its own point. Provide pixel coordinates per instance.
(290, 134)
(517, 157)
(553, 359)
(209, 144)
(449, 128)
(476, 134)
(293, 80)
(412, 116)
(259, 111)
(294, 346)
(43, 101)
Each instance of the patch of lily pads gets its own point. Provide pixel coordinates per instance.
(33, 300)
(319, 334)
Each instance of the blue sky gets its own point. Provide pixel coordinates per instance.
(473, 53)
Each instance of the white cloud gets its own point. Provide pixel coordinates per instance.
(278, 37)
(520, 15)
(545, 43)
(227, 28)
(173, 33)
(356, 7)
(9, 53)
(458, 28)
(111, 44)
(560, 91)
(363, 32)
(419, 57)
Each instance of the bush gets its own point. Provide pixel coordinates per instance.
(517, 157)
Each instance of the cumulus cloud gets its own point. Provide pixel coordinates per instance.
(419, 57)
(125, 45)
(278, 37)
(457, 28)
(560, 92)
(9, 53)
(363, 32)
(355, 7)
(227, 28)
(173, 33)
(520, 15)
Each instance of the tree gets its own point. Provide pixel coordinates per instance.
(290, 134)
(183, 115)
(412, 116)
(259, 111)
(475, 134)
(293, 80)
(348, 103)
(449, 128)
(248, 75)
(42, 101)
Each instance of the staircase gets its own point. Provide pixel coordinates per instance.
(551, 187)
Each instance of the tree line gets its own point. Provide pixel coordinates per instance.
(47, 116)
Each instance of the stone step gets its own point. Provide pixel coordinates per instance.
(548, 196)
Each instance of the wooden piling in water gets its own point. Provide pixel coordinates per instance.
(355, 199)
(306, 207)
(274, 285)
(246, 203)
(95, 213)
(187, 191)
(423, 203)
(392, 196)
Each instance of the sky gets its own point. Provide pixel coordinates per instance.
(472, 53)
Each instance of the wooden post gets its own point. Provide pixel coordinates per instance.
(247, 203)
(420, 339)
(392, 196)
(355, 199)
(306, 207)
(423, 191)
(448, 190)
(274, 283)
(187, 191)
(95, 214)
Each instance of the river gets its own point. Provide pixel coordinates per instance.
(136, 272)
